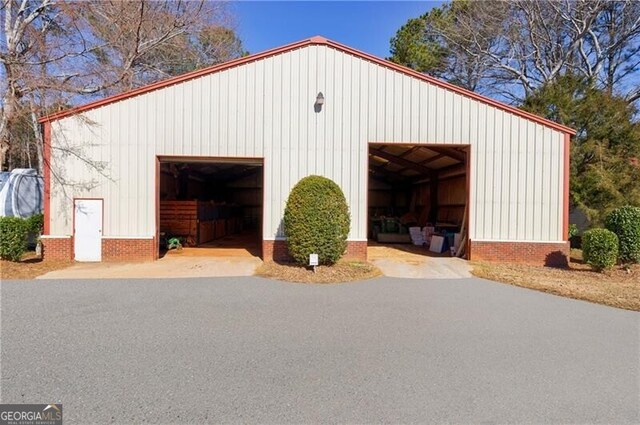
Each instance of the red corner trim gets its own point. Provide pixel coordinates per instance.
(46, 138)
(566, 196)
(310, 41)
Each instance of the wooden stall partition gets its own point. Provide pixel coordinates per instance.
(179, 218)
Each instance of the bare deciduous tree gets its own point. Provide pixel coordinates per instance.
(511, 49)
(54, 54)
(142, 41)
(23, 26)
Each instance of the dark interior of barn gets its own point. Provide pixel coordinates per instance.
(417, 197)
(213, 205)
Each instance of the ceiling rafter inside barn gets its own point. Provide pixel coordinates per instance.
(410, 163)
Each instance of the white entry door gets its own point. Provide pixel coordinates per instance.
(88, 230)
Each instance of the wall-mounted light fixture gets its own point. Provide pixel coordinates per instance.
(319, 102)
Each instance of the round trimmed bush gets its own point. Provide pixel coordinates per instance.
(13, 238)
(600, 248)
(316, 220)
(625, 223)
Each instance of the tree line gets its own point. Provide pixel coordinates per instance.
(55, 54)
(576, 62)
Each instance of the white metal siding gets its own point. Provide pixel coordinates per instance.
(265, 109)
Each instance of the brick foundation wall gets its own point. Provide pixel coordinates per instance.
(356, 250)
(277, 250)
(112, 249)
(128, 249)
(552, 254)
(57, 249)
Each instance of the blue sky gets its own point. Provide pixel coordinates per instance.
(366, 26)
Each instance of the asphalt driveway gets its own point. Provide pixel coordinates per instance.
(253, 350)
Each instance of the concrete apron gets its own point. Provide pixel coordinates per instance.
(166, 267)
(424, 268)
(175, 266)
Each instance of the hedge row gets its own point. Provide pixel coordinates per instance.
(14, 234)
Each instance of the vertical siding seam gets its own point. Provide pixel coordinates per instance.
(501, 230)
(286, 114)
(531, 168)
(438, 107)
(236, 113)
(419, 124)
(474, 186)
(534, 205)
(517, 186)
(546, 205)
(486, 206)
(507, 163)
(553, 192)
(498, 173)
(560, 198)
(512, 207)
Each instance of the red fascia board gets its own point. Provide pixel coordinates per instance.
(310, 41)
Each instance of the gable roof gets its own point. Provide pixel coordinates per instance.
(317, 40)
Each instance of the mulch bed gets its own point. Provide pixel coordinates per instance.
(344, 271)
(618, 287)
(29, 266)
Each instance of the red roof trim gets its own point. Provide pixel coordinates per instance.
(297, 45)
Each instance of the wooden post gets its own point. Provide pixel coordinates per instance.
(463, 232)
(433, 187)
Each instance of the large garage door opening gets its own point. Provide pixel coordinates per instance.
(213, 207)
(418, 200)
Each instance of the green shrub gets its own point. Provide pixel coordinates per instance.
(575, 241)
(13, 238)
(573, 231)
(35, 224)
(600, 248)
(625, 223)
(316, 220)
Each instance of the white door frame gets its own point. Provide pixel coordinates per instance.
(87, 229)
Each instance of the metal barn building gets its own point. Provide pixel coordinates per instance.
(215, 153)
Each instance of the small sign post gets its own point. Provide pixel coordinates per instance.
(313, 261)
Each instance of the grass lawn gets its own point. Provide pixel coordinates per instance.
(619, 287)
(343, 271)
(29, 267)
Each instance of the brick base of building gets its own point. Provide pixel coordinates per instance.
(277, 251)
(551, 254)
(128, 249)
(356, 250)
(112, 249)
(59, 249)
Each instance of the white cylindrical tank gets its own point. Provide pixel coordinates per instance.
(21, 193)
